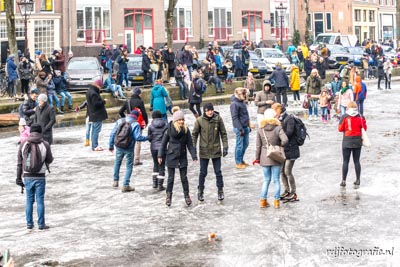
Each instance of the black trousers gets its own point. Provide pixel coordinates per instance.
(24, 86)
(191, 107)
(184, 179)
(346, 152)
(217, 170)
(158, 168)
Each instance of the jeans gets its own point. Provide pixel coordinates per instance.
(296, 95)
(119, 156)
(242, 142)
(182, 88)
(313, 107)
(35, 189)
(88, 128)
(116, 88)
(271, 172)
(360, 104)
(154, 75)
(342, 110)
(217, 170)
(96, 129)
(52, 96)
(324, 112)
(123, 77)
(281, 91)
(287, 176)
(184, 179)
(64, 94)
(230, 76)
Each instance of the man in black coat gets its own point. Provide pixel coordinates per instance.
(46, 117)
(146, 68)
(281, 83)
(29, 106)
(96, 111)
(135, 102)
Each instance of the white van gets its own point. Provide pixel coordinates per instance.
(334, 38)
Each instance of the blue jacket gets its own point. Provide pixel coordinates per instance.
(280, 77)
(363, 94)
(336, 86)
(123, 66)
(60, 83)
(157, 98)
(136, 134)
(108, 82)
(239, 113)
(187, 58)
(11, 69)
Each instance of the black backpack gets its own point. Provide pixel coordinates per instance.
(123, 137)
(300, 131)
(32, 157)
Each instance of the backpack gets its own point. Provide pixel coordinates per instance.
(300, 130)
(32, 157)
(200, 85)
(123, 137)
(140, 118)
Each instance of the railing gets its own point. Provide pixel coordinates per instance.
(94, 37)
(276, 31)
(180, 34)
(222, 34)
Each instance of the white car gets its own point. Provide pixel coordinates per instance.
(271, 56)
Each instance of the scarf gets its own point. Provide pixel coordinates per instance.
(343, 89)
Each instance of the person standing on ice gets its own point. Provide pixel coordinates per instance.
(175, 143)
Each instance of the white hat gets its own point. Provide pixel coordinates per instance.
(22, 122)
(42, 97)
(269, 113)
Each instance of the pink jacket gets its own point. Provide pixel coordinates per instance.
(24, 134)
(346, 98)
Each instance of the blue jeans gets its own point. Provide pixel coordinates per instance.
(182, 88)
(313, 107)
(360, 104)
(230, 76)
(35, 189)
(51, 97)
(88, 125)
(119, 156)
(122, 77)
(64, 94)
(116, 88)
(274, 173)
(242, 142)
(324, 112)
(342, 110)
(96, 129)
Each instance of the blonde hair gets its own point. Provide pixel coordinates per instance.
(178, 127)
(175, 108)
(351, 104)
(277, 107)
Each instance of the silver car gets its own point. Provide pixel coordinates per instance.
(271, 56)
(83, 71)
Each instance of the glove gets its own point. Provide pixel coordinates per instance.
(225, 152)
(241, 132)
(256, 161)
(19, 182)
(77, 109)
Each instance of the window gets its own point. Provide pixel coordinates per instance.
(310, 21)
(357, 15)
(329, 21)
(46, 5)
(272, 15)
(44, 36)
(220, 23)
(182, 20)
(364, 16)
(372, 16)
(19, 28)
(93, 18)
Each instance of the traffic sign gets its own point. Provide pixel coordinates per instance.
(267, 21)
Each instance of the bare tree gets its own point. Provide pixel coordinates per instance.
(169, 18)
(10, 20)
(397, 23)
(307, 37)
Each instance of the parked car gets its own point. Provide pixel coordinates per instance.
(135, 73)
(339, 56)
(259, 68)
(389, 52)
(357, 53)
(271, 56)
(83, 71)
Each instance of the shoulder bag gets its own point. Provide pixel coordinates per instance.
(276, 153)
(365, 139)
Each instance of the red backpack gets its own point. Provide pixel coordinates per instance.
(140, 118)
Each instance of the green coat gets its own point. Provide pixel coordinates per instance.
(210, 132)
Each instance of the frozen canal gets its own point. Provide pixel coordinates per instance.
(93, 224)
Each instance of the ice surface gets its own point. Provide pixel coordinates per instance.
(93, 224)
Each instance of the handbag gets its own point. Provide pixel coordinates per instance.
(276, 153)
(306, 103)
(154, 67)
(364, 137)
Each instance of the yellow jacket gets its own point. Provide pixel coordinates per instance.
(304, 49)
(295, 79)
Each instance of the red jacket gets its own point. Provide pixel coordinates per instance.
(351, 128)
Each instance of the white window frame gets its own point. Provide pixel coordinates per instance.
(185, 11)
(83, 8)
(227, 10)
(326, 21)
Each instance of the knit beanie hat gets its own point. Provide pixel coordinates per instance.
(137, 91)
(98, 83)
(269, 114)
(42, 97)
(156, 114)
(208, 106)
(36, 128)
(22, 122)
(178, 115)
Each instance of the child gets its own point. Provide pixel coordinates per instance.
(323, 104)
(250, 85)
(175, 143)
(24, 130)
(295, 84)
(155, 134)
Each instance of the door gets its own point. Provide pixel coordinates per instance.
(138, 26)
(129, 40)
(319, 27)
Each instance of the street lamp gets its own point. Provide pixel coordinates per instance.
(25, 8)
(282, 11)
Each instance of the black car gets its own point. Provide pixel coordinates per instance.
(258, 68)
(135, 73)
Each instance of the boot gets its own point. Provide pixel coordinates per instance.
(62, 109)
(70, 107)
(160, 183)
(357, 182)
(188, 200)
(168, 200)
(276, 204)
(87, 142)
(155, 181)
(220, 194)
(200, 195)
(59, 111)
(343, 183)
(263, 203)
(285, 195)
(329, 117)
